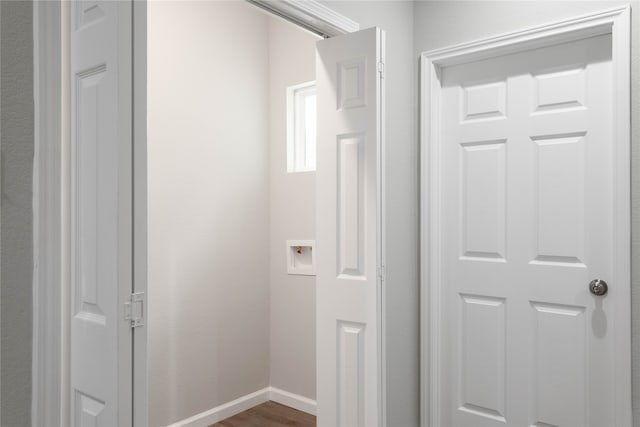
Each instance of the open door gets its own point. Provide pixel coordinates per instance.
(101, 213)
(349, 264)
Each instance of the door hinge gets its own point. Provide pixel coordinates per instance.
(134, 309)
(381, 273)
(381, 69)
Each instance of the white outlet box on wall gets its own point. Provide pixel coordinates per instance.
(301, 258)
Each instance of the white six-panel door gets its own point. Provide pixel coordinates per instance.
(348, 179)
(101, 213)
(527, 219)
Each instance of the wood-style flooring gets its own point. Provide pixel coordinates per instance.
(269, 414)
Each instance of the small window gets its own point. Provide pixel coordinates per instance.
(301, 127)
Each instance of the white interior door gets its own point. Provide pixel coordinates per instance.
(101, 213)
(527, 221)
(348, 228)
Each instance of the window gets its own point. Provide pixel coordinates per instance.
(301, 127)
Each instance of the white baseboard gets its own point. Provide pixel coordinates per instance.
(294, 401)
(229, 409)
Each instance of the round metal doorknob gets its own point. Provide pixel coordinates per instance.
(598, 287)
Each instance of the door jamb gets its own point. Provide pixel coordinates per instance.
(613, 21)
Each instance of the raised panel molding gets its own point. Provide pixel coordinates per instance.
(351, 78)
(86, 210)
(554, 92)
(559, 199)
(87, 410)
(350, 204)
(560, 365)
(483, 219)
(350, 362)
(87, 12)
(540, 424)
(483, 356)
(488, 101)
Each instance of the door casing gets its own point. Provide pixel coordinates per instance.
(613, 21)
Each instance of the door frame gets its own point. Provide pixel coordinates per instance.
(51, 197)
(612, 21)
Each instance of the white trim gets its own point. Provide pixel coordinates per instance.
(381, 226)
(621, 60)
(229, 409)
(557, 32)
(140, 335)
(226, 410)
(311, 15)
(615, 21)
(293, 400)
(65, 226)
(50, 356)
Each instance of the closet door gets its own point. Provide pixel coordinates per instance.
(350, 88)
(101, 213)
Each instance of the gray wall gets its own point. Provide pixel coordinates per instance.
(402, 221)
(292, 60)
(16, 130)
(443, 23)
(208, 205)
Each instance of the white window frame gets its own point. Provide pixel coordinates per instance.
(297, 158)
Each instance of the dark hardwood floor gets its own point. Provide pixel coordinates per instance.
(269, 414)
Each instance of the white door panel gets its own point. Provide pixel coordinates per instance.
(348, 177)
(527, 222)
(100, 213)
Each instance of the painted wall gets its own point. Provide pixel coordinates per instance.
(17, 139)
(443, 23)
(208, 206)
(292, 199)
(402, 311)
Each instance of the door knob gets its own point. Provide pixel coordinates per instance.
(598, 287)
